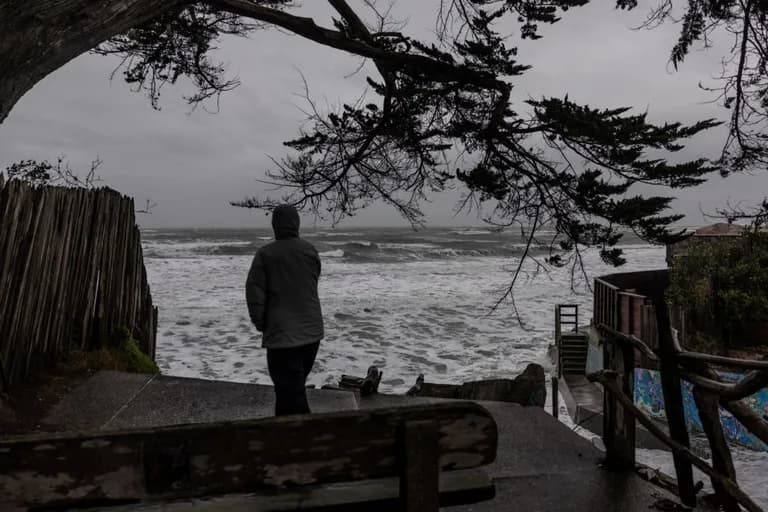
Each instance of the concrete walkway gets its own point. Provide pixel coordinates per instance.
(541, 464)
(115, 400)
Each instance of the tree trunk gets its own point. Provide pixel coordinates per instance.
(40, 36)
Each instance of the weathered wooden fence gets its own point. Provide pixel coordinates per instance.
(71, 274)
(710, 394)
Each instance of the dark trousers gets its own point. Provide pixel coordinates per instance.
(289, 368)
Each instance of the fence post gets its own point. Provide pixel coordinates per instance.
(558, 345)
(618, 424)
(709, 412)
(673, 399)
(555, 399)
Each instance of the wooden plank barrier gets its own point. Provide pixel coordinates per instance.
(71, 274)
(428, 449)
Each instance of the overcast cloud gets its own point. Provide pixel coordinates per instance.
(193, 164)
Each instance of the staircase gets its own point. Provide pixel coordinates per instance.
(571, 344)
(573, 353)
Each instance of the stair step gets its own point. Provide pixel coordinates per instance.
(574, 346)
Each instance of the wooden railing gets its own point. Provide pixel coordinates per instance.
(710, 393)
(621, 303)
(606, 309)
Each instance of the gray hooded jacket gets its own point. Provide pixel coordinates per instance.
(281, 289)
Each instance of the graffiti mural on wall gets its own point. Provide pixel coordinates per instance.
(650, 398)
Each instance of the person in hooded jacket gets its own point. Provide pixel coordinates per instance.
(281, 292)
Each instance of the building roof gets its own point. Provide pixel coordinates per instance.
(720, 229)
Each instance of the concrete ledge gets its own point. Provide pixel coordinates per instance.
(584, 401)
(116, 400)
(96, 401)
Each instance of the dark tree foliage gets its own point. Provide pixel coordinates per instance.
(177, 44)
(726, 280)
(439, 114)
(40, 173)
(33, 172)
(743, 81)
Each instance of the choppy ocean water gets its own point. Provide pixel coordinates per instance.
(408, 302)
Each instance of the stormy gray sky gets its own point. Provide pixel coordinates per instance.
(193, 164)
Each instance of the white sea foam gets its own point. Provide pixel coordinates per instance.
(338, 253)
(174, 249)
(364, 243)
(330, 233)
(408, 246)
(472, 232)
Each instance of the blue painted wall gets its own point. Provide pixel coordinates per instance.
(649, 397)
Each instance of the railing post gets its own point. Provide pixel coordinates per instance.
(618, 424)
(558, 345)
(419, 482)
(673, 399)
(709, 412)
(576, 312)
(555, 399)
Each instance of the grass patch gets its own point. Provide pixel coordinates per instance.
(122, 354)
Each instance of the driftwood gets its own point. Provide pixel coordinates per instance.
(608, 380)
(367, 385)
(265, 456)
(528, 388)
(417, 386)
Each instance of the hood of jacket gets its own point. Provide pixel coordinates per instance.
(285, 222)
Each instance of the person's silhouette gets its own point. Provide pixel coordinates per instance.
(281, 292)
